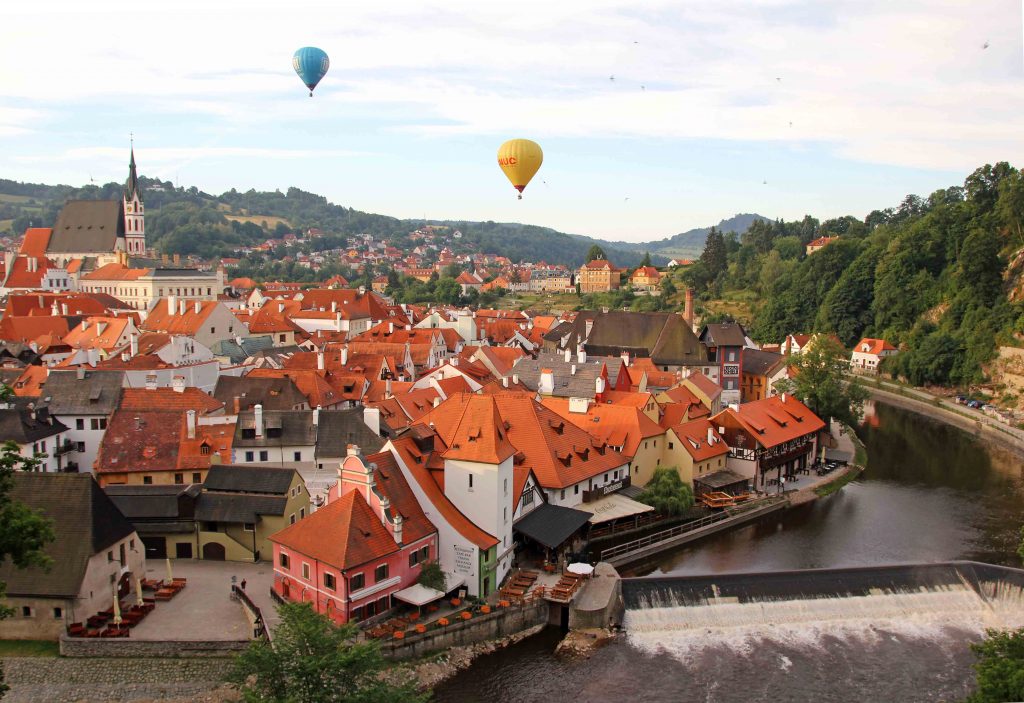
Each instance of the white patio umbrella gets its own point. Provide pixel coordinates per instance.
(117, 607)
(170, 575)
(138, 591)
(580, 568)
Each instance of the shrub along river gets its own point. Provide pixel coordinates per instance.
(931, 493)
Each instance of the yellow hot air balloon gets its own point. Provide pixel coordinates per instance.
(520, 159)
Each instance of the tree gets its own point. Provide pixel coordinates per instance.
(432, 576)
(646, 261)
(313, 660)
(24, 533)
(1000, 667)
(667, 493)
(595, 252)
(714, 257)
(820, 382)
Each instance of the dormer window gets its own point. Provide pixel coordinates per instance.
(204, 449)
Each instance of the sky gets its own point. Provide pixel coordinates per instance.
(779, 107)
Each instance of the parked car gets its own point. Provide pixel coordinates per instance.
(961, 400)
(974, 403)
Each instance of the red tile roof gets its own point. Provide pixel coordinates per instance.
(345, 533)
(694, 437)
(705, 385)
(869, 345)
(187, 322)
(617, 425)
(772, 421)
(35, 242)
(169, 400)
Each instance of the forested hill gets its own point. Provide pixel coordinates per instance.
(689, 244)
(189, 222)
(939, 276)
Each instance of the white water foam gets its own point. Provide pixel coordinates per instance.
(930, 613)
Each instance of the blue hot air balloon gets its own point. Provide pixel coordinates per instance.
(311, 64)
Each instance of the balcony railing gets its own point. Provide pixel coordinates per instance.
(66, 448)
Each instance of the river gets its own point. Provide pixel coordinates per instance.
(931, 493)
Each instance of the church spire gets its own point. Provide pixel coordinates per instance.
(131, 186)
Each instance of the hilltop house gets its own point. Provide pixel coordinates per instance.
(868, 354)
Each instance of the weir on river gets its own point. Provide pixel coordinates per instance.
(674, 614)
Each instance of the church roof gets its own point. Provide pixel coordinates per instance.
(85, 226)
(131, 186)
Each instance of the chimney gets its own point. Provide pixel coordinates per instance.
(316, 416)
(711, 435)
(178, 384)
(625, 358)
(783, 397)
(437, 401)
(391, 328)
(134, 341)
(93, 356)
(547, 382)
(85, 325)
(371, 416)
(515, 379)
(688, 308)
(151, 381)
(198, 306)
(258, 419)
(172, 304)
(589, 327)
(100, 326)
(320, 360)
(572, 370)
(581, 355)
(568, 355)
(387, 388)
(598, 386)
(8, 260)
(190, 423)
(362, 290)
(344, 355)
(80, 373)
(54, 310)
(352, 450)
(504, 382)
(280, 307)
(63, 308)
(181, 307)
(397, 528)
(238, 404)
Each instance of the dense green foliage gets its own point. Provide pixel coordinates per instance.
(190, 222)
(432, 576)
(315, 661)
(1000, 667)
(927, 276)
(667, 493)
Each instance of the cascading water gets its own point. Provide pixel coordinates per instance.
(684, 621)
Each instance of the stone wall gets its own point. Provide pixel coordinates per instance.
(599, 604)
(34, 679)
(492, 626)
(129, 648)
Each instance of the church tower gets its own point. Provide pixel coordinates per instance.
(134, 217)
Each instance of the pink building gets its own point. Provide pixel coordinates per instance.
(369, 542)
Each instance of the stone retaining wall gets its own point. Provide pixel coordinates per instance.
(482, 628)
(34, 679)
(129, 648)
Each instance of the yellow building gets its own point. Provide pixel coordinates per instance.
(598, 276)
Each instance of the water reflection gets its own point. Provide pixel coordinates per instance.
(931, 493)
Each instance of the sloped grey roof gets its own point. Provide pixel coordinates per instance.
(18, 424)
(759, 362)
(271, 393)
(724, 334)
(582, 384)
(87, 226)
(245, 479)
(98, 393)
(551, 525)
(339, 428)
(85, 523)
(237, 352)
(141, 503)
(229, 507)
(663, 337)
(295, 429)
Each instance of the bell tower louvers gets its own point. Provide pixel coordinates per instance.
(134, 215)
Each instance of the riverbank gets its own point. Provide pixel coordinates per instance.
(943, 410)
